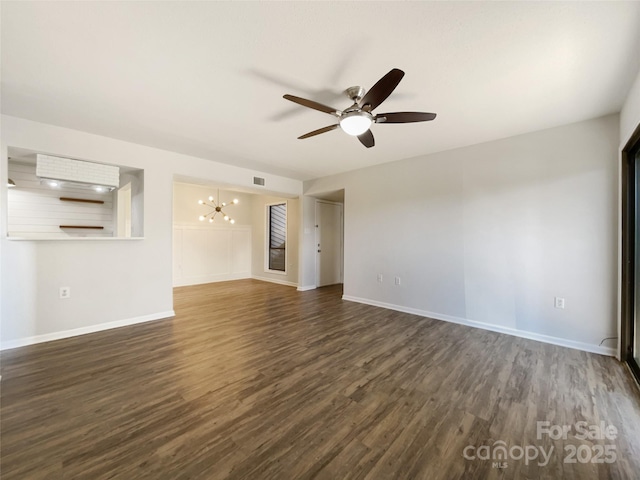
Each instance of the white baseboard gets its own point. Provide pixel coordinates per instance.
(48, 337)
(185, 282)
(587, 347)
(275, 280)
(307, 288)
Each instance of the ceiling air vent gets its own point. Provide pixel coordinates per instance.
(258, 181)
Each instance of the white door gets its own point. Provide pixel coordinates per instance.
(328, 243)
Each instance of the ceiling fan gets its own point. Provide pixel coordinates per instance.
(357, 119)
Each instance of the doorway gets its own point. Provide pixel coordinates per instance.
(630, 327)
(329, 243)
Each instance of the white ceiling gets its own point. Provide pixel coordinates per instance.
(207, 78)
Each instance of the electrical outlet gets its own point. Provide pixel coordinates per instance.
(379, 278)
(558, 302)
(65, 292)
(397, 280)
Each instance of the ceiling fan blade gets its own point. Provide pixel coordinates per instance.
(381, 90)
(404, 117)
(367, 139)
(311, 104)
(319, 131)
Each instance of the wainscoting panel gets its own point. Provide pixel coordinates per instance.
(210, 253)
(241, 252)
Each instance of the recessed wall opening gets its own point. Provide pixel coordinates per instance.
(208, 247)
(55, 197)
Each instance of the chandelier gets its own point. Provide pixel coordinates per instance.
(216, 208)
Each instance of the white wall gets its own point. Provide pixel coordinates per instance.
(487, 235)
(259, 239)
(136, 207)
(307, 243)
(206, 252)
(111, 280)
(210, 253)
(630, 113)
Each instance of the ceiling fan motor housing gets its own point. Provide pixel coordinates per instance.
(355, 93)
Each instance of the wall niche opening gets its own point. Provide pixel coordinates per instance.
(52, 196)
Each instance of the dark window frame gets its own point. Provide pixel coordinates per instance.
(276, 238)
(629, 253)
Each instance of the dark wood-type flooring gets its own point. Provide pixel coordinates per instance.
(253, 380)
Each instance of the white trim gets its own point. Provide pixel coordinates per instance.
(48, 337)
(211, 278)
(331, 202)
(307, 288)
(587, 347)
(275, 280)
(277, 272)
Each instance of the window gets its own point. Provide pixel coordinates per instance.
(277, 238)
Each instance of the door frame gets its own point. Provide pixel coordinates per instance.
(628, 223)
(317, 238)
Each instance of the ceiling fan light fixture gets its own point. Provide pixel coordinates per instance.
(356, 123)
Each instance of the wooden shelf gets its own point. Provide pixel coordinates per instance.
(82, 226)
(82, 200)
